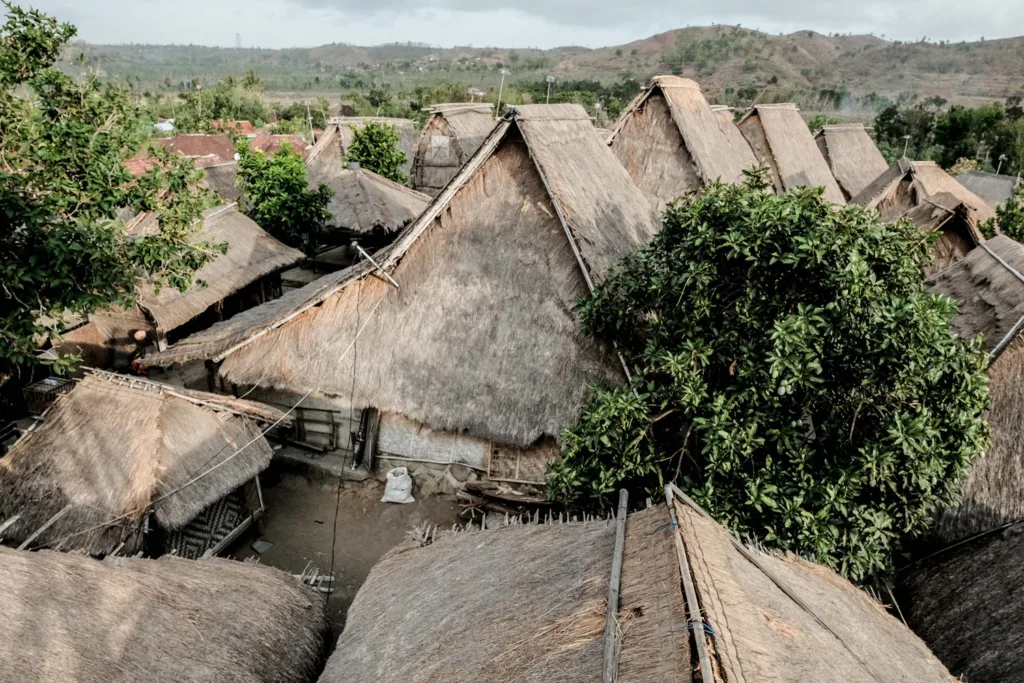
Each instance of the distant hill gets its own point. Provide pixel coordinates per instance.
(722, 59)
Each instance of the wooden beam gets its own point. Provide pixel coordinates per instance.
(611, 626)
(44, 527)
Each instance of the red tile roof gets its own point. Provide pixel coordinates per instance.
(270, 144)
(242, 127)
(200, 146)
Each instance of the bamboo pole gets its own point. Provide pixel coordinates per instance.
(611, 626)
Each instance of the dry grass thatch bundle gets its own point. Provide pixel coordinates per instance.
(327, 158)
(109, 450)
(525, 603)
(542, 209)
(406, 128)
(783, 143)
(965, 605)
(70, 619)
(934, 201)
(365, 202)
(672, 143)
(989, 289)
(450, 138)
(852, 156)
(221, 179)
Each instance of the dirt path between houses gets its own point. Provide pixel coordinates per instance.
(298, 522)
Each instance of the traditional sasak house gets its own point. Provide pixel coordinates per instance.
(406, 128)
(935, 202)
(973, 580)
(123, 464)
(248, 274)
(450, 138)
(851, 155)
(693, 604)
(465, 337)
(68, 618)
(994, 189)
(783, 143)
(672, 143)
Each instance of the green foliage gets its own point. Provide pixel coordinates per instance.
(1009, 218)
(228, 100)
(375, 148)
(794, 377)
(62, 181)
(279, 198)
(820, 121)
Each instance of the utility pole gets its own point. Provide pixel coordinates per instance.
(504, 72)
(1002, 158)
(551, 79)
(309, 117)
(199, 89)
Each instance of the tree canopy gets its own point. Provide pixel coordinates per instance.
(791, 373)
(375, 148)
(278, 196)
(63, 144)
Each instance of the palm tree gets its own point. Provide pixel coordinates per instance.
(252, 81)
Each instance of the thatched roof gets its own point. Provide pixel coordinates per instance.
(994, 189)
(462, 128)
(364, 202)
(965, 604)
(542, 196)
(406, 128)
(988, 286)
(724, 113)
(221, 179)
(526, 603)
(672, 143)
(113, 447)
(71, 619)
(252, 253)
(852, 156)
(327, 158)
(783, 143)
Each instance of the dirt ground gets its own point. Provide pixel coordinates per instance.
(299, 519)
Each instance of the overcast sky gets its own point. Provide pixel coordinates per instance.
(515, 23)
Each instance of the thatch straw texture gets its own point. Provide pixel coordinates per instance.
(113, 446)
(252, 253)
(994, 189)
(783, 143)
(450, 137)
(671, 142)
(989, 290)
(405, 127)
(221, 179)
(852, 157)
(762, 634)
(724, 113)
(327, 158)
(965, 604)
(934, 201)
(438, 350)
(365, 202)
(71, 619)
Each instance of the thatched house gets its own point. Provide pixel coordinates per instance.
(978, 573)
(852, 156)
(122, 462)
(327, 157)
(994, 189)
(783, 144)
(724, 113)
(672, 143)
(528, 604)
(450, 137)
(409, 135)
(73, 619)
(247, 274)
(935, 202)
(475, 357)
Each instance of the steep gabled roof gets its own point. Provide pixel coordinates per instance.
(408, 134)
(364, 201)
(481, 335)
(783, 143)
(852, 156)
(113, 446)
(68, 617)
(994, 189)
(672, 142)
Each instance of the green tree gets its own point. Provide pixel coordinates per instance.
(1009, 217)
(820, 121)
(279, 198)
(63, 144)
(793, 375)
(375, 148)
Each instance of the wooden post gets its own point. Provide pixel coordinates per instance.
(611, 626)
(693, 608)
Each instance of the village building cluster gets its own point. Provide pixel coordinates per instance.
(437, 333)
